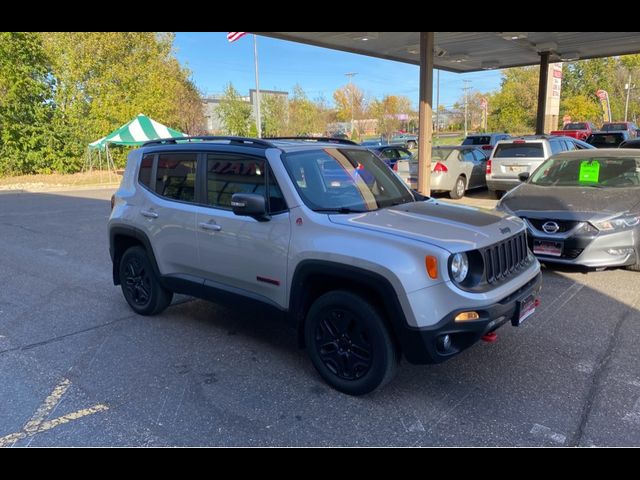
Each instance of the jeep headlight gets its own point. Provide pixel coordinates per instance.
(459, 267)
(618, 223)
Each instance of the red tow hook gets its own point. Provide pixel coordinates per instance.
(490, 337)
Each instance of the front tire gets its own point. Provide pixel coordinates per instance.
(140, 286)
(349, 344)
(458, 189)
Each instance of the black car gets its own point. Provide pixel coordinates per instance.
(611, 139)
(630, 144)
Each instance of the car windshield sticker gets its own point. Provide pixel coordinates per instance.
(589, 171)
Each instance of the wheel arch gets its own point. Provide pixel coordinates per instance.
(313, 278)
(123, 237)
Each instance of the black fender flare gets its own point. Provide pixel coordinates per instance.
(358, 277)
(136, 234)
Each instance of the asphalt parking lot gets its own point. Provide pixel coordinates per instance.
(78, 368)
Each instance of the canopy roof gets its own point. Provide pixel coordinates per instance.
(473, 51)
(136, 132)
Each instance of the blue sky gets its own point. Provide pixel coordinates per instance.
(215, 62)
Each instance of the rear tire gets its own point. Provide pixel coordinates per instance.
(140, 286)
(349, 344)
(411, 145)
(458, 189)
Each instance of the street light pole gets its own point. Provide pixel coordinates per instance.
(350, 86)
(626, 103)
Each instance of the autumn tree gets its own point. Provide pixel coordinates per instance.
(349, 102)
(388, 112)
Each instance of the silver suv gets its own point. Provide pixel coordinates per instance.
(322, 234)
(512, 157)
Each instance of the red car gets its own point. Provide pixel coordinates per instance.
(579, 130)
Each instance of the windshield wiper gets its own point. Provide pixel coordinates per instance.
(338, 210)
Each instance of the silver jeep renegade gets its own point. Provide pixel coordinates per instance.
(323, 234)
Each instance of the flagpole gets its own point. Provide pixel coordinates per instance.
(255, 57)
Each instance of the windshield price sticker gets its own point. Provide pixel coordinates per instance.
(589, 171)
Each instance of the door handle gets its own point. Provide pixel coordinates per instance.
(210, 226)
(148, 214)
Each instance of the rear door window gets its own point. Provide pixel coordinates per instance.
(468, 156)
(477, 140)
(176, 176)
(229, 173)
(557, 147)
(516, 150)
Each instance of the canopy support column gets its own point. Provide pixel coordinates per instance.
(542, 92)
(425, 114)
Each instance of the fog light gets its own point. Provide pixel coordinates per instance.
(444, 342)
(464, 316)
(619, 251)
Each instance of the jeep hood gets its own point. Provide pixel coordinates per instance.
(451, 227)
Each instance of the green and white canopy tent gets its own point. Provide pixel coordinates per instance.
(134, 133)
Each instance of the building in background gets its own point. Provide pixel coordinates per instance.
(210, 103)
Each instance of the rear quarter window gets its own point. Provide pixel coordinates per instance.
(144, 176)
(512, 150)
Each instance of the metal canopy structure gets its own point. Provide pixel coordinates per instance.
(463, 52)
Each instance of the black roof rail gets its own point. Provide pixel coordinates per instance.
(249, 142)
(317, 139)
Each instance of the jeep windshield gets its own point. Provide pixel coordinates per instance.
(342, 180)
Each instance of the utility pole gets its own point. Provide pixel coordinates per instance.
(466, 89)
(437, 99)
(626, 104)
(351, 75)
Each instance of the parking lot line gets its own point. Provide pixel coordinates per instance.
(36, 423)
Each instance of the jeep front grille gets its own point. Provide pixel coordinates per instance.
(502, 259)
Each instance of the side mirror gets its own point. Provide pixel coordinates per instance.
(523, 177)
(250, 205)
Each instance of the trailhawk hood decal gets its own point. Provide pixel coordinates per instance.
(452, 227)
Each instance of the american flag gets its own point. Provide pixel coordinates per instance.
(233, 36)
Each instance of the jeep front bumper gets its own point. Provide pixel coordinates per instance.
(425, 344)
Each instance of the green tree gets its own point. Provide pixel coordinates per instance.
(303, 113)
(234, 112)
(104, 79)
(27, 144)
(581, 108)
(513, 108)
(274, 113)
